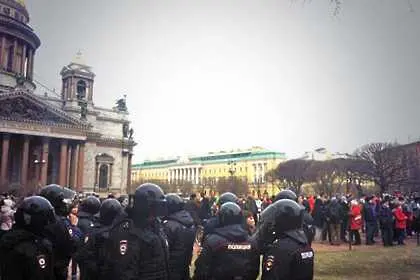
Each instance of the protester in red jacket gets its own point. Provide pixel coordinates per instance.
(355, 222)
(311, 201)
(400, 224)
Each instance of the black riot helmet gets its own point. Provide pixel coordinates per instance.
(230, 214)
(149, 201)
(59, 197)
(90, 205)
(34, 213)
(109, 210)
(283, 215)
(286, 194)
(227, 197)
(175, 203)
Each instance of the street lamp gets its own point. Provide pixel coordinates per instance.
(232, 171)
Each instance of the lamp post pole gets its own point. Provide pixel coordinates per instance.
(232, 171)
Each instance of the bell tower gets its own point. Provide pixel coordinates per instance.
(77, 83)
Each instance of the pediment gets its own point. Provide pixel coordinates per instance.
(24, 106)
(104, 158)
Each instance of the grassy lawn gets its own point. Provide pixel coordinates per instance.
(379, 263)
(369, 263)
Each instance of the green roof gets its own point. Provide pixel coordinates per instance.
(212, 158)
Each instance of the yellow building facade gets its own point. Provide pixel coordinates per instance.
(204, 171)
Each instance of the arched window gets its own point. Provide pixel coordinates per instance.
(103, 171)
(81, 89)
(103, 176)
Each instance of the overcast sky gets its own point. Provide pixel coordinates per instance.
(209, 75)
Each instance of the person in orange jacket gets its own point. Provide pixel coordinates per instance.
(355, 222)
(400, 223)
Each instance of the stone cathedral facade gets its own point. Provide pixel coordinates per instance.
(64, 139)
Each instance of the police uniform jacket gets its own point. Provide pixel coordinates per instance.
(63, 246)
(180, 230)
(289, 258)
(228, 253)
(25, 256)
(92, 255)
(135, 251)
(86, 222)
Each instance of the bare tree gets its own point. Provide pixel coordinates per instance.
(232, 184)
(163, 184)
(273, 179)
(325, 175)
(354, 171)
(293, 173)
(386, 164)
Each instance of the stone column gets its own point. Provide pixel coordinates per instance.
(4, 159)
(188, 174)
(197, 175)
(110, 174)
(63, 163)
(176, 175)
(74, 164)
(130, 156)
(14, 60)
(68, 166)
(32, 65)
(2, 50)
(22, 62)
(44, 161)
(25, 161)
(169, 176)
(263, 172)
(96, 174)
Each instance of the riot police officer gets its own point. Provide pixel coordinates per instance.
(25, 252)
(88, 208)
(137, 247)
(289, 256)
(60, 233)
(180, 229)
(228, 252)
(213, 222)
(308, 221)
(92, 255)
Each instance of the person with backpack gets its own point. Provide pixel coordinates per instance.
(334, 215)
(92, 255)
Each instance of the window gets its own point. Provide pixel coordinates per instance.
(81, 89)
(6, 11)
(17, 15)
(103, 176)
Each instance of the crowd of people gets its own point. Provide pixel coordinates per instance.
(59, 234)
(56, 234)
(336, 219)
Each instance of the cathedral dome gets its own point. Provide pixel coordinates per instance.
(18, 44)
(15, 9)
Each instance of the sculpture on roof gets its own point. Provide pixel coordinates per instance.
(121, 104)
(131, 132)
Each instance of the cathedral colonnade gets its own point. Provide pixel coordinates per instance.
(29, 162)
